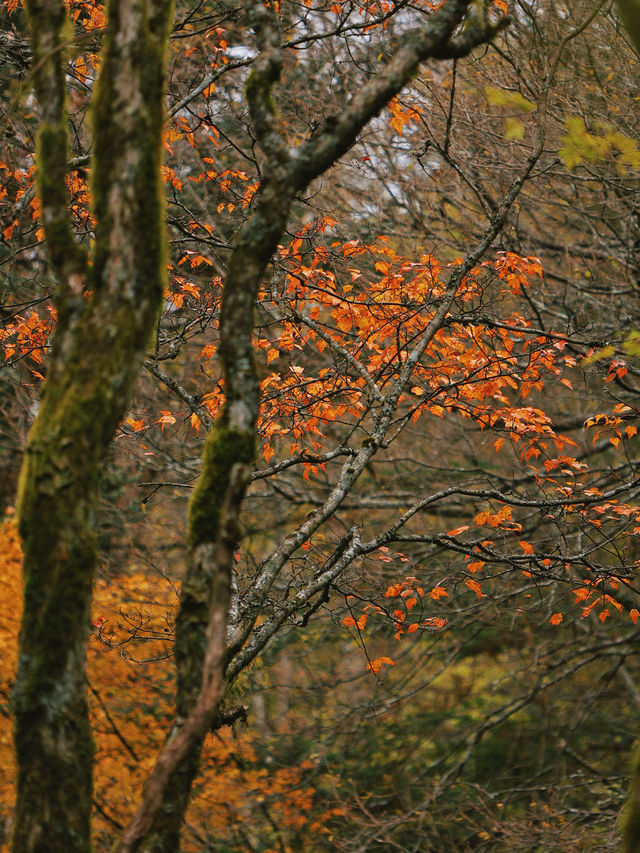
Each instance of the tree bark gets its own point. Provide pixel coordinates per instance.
(630, 14)
(106, 314)
(631, 816)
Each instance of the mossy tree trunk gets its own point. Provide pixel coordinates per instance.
(631, 814)
(630, 14)
(201, 625)
(107, 310)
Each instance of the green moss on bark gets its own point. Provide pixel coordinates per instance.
(94, 364)
(630, 14)
(50, 33)
(51, 155)
(631, 814)
(224, 448)
(54, 746)
(113, 135)
(259, 90)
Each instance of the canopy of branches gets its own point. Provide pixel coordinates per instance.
(389, 356)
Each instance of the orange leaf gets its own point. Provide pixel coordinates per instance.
(556, 619)
(377, 664)
(526, 547)
(207, 351)
(474, 586)
(438, 592)
(165, 418)
(435, 622)
(582, 593)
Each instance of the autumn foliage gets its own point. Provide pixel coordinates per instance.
(436, 558)
(130, 681)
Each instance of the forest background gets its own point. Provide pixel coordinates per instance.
(426, 604)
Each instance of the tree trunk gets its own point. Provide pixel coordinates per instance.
(630, 14)
(106, 314)
(201, 656)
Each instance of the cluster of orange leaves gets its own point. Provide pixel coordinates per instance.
(402, 116)
(365, 300)
(131, 704)
(598, 594)
(409, 595)
(28, 337)
(369, 302)
(613, 423)
(16, 183)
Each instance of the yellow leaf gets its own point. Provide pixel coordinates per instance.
(513, 129)
(500, 98)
